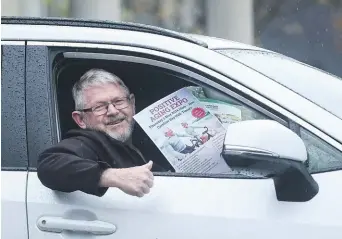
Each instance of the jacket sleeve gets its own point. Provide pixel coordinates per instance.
(70, 166)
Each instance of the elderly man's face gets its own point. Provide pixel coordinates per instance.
(118, 123)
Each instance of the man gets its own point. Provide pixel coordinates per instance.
(100, 154)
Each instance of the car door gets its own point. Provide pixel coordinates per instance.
(179, 205)
(14, 160)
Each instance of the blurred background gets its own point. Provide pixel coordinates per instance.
(307, 30)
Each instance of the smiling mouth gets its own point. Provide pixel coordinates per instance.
(116, 122)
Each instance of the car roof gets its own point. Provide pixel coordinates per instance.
(105, 24)
(201, 40)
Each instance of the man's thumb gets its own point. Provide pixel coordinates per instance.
(149, 165)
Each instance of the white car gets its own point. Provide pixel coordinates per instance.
(287, 148)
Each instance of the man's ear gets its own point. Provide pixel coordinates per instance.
(78, 118)
(132, 98)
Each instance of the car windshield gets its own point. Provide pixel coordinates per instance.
(321, 88)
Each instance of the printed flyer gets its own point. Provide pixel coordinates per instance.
(186, 132)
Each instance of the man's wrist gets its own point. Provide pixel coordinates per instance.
(109, 178)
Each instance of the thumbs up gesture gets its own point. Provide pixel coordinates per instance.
(135, 181)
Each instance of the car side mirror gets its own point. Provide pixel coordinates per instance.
(268, 148)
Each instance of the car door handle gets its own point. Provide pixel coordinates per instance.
(59, 224)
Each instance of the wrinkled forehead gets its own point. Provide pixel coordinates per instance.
(103, 92)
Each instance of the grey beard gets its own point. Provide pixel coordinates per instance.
(124, 136)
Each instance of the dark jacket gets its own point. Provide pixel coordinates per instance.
(77, 162)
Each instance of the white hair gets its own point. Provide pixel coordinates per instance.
(94, 77)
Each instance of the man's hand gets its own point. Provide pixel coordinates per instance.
(135, 181)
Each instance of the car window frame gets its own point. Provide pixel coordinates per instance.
(223, 85)
(202, 80)
(176, 68)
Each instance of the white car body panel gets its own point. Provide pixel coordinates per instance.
(13, 205)
(198, 208)
(181, 207)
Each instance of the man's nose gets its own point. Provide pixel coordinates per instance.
(112, 110)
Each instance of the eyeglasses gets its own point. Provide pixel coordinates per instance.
(102, 109)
